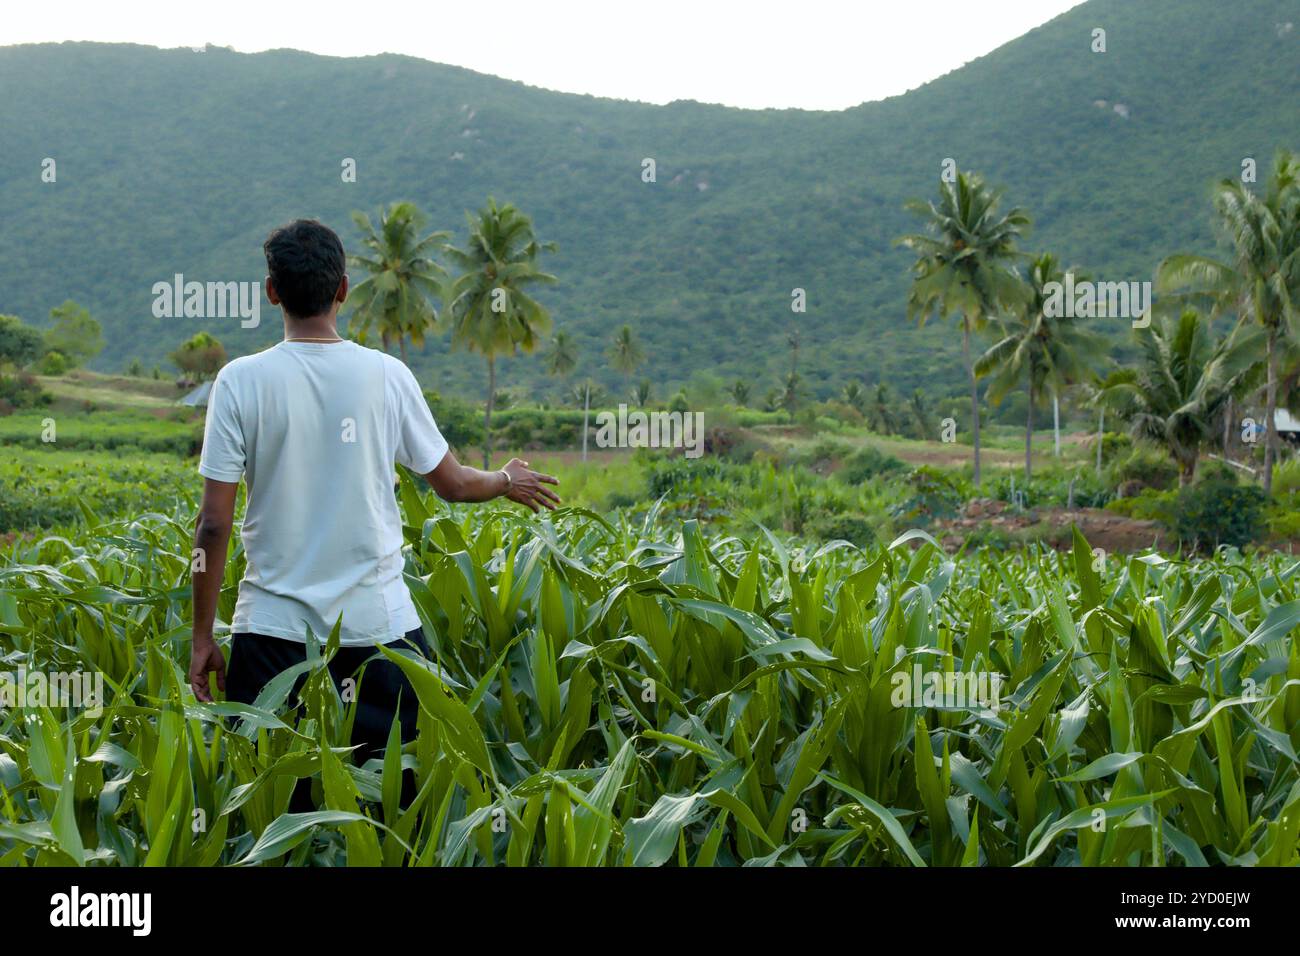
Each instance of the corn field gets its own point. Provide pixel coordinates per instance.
(607, 693)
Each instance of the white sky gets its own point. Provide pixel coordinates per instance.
(814, 54)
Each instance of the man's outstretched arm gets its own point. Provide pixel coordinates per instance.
(211, 541)
(456, 482)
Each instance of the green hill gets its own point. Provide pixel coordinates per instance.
(181, 161)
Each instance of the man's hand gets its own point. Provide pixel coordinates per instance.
(456, 482)
(526, 486)
(206, 656)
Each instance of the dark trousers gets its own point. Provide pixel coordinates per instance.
(383, 692)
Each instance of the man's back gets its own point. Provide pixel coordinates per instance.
(316, 429)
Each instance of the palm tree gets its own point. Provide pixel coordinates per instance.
(491, 310)
(625, 354)
(1261, 280)
(920, 409)
(1173, 397)
(404, 280)
(739, 391)
(964, 265)
(1045, 352)
(582, 395)
(855, 396)
(790, 396)
(881, 413)
(642, 392)
(562, 358)
(790, 393)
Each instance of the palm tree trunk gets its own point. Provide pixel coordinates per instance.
(1227, 429)
(1056, 422)
(974, 396)
(401, 344)
(1029, 438)
(1101, 434)
(586, 409)
(1270, 414)
(487, 412)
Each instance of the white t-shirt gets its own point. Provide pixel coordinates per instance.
(315, 429)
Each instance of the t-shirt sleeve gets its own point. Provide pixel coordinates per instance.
(420, 446)
(223, 436)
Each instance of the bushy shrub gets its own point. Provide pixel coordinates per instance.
(934, 495)
(54, 362)
(21, 390)
(460, 422)
(869, 462)
(1148, 466)
(1217, 510)
(1148, 505)
(1054, 491)
(539, 428)
(822, 455)
(1283, 522)
(1286, 478)
(854, 528)
(664, 475)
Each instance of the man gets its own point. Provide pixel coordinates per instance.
(315, 425)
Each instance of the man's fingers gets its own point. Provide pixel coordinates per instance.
(549, 479)
(199, 682)
(221, 672)
(547, 493)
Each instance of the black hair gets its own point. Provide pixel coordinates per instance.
(306, 263)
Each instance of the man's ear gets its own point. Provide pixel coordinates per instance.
(342, 294)
(272, 296)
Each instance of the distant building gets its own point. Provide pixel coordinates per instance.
(1288, 426)
(197, 398)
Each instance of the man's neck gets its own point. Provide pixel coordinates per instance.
(318, 327)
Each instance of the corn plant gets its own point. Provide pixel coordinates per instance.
(608, 691)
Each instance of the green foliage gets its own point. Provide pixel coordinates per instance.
(20, 344)
(1053, 490)
(934, 494)
(460, 422)
(20, 390)
(200, 356)
(868, 463)
(1149, 504)
(54, 363)
(1217, 511)
(122, 431)
(45, 487)
(74, 333)
(669, 258)
(1147, 466)
(1123, 697)
(402, 281)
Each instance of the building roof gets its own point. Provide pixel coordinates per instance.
(197, 398)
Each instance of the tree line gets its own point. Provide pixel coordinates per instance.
(1187, 380)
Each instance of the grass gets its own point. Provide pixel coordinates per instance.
(619, 692)
(111, 391)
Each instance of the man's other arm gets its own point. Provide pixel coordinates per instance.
(456, 482)
(211, 540)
